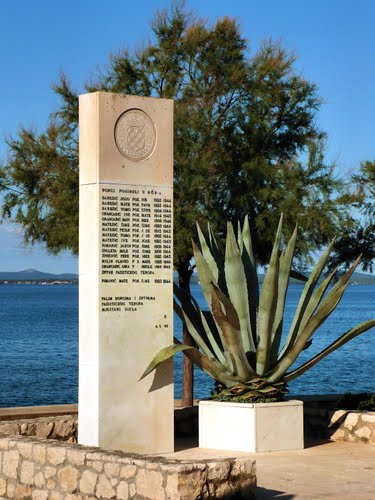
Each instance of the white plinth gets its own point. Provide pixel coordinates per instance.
(249, 427)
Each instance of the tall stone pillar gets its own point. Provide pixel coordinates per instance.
(125, 271)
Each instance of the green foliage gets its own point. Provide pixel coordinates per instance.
(40, 181)
(363, 401)
(241, 120)
(240, 351)
(360, 237)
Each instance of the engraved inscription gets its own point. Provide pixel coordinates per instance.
(135, 135)
(136, 245)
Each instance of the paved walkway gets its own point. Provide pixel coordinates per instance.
(333, 470)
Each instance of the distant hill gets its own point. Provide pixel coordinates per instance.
(33, 274)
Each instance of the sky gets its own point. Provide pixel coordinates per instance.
(331, 39)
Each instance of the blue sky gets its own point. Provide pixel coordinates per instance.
(332, 40)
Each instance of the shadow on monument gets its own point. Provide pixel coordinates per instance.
(162, 377)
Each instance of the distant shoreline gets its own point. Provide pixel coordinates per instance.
(39, 282)
(354, 282)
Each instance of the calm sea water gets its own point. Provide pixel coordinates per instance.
(39, 346)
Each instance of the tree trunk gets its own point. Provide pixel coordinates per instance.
(184, 275)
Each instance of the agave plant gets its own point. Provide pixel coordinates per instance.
(239, 339)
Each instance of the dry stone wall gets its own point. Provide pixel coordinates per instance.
(340, 425)
(38, 469)
(62, 428)
(320, 421)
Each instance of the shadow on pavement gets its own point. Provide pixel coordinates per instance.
(264, 493)
(310, 443)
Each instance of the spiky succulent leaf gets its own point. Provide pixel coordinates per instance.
(195, 314)
(237, 288)
(250, 267)
(327, 306)
(196, 336)
(163, 355)
(304, 300)
(286, 260)
(316, 300)
(233, 339)
(267, 306)
(215, 346)
(210, 366)
(350, 334)
(219, 332)
(239, 237)
(188, 302)
(206, 252)
(345, 277)
(219, 259)
(205, 274)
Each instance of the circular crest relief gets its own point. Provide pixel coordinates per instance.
(135, 135)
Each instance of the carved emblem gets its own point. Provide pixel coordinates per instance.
(135, 135)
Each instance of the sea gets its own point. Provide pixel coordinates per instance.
(39, 346)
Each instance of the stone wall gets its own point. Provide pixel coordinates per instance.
(38, 469)
(321, 421)
(61, 428)
(340, 425)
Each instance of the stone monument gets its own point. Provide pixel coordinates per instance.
(125, 271)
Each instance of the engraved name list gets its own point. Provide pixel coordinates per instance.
(136, 244)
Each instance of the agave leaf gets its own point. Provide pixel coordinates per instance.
(345, 277)
(203, 328)
(251, 277)
(239, 237)
(206, 252)
(196, 316)
(205, 274)
(219, 259)
(188, 303)
(316, 299)
(338, 288)
(177, 309)
(267, 305)
(327, 306)
(350, 334)
(232, 318)
(237, 288)
(215, 346)
(191, 309)
(230, 310)
(196, 336)
(304, 300)
(284, 274)
(212, 367)
(233, 340)
(163, 355)
(216, 370)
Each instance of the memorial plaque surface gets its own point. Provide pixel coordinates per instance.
(126, 272)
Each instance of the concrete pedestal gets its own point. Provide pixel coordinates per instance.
(251, 427)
